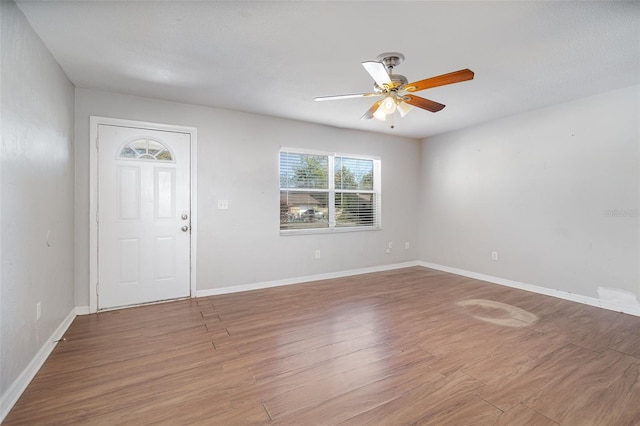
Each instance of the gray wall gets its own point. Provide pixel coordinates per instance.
(36, 193)
(238, 161)
(554, 191)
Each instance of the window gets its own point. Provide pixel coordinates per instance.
(311, 198)
(145, 149)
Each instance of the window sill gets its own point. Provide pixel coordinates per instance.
(289, 232)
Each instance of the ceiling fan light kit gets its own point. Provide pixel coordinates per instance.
(388, 104)
(395, 90)
(404, 108)
(379, 114)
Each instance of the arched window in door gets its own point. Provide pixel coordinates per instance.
(145, 149)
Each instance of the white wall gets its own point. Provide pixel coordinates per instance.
(37, 197)
(539, 189)
(238, 161)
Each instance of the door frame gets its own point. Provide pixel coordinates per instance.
(94, 122)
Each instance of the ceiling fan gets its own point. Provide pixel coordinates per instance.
(395, 91)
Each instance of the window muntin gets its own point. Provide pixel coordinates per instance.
(145, 149)
(311, 198)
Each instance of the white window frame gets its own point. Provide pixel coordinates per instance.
(332, 228)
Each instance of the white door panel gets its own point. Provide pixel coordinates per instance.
(143, 192)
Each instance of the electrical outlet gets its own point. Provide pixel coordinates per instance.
(317, 254)
(390, 245)
(38, 310)
(406, 245)
(494, 255)
(223, 204)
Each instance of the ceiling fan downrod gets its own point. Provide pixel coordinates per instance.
(390, 60)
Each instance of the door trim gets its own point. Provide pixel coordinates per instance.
(94, 122)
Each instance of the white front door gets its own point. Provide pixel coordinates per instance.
(143, 215)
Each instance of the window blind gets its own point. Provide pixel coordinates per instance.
(313, 198)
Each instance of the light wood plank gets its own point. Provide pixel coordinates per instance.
(395, 347)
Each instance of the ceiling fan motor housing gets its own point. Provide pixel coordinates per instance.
(397, 83)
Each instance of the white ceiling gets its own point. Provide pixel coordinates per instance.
(273, 58)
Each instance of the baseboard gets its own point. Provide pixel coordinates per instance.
(300, 280)
(592, 301)
(82, 310)
(10, 397)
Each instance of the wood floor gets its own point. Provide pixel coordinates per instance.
(410, 346)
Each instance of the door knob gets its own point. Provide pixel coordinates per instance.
(184, 216)
(185, 228)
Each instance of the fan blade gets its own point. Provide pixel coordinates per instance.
(422, 103)
(378, 72)
(441, 80)
(369, 114)
(350, 96)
